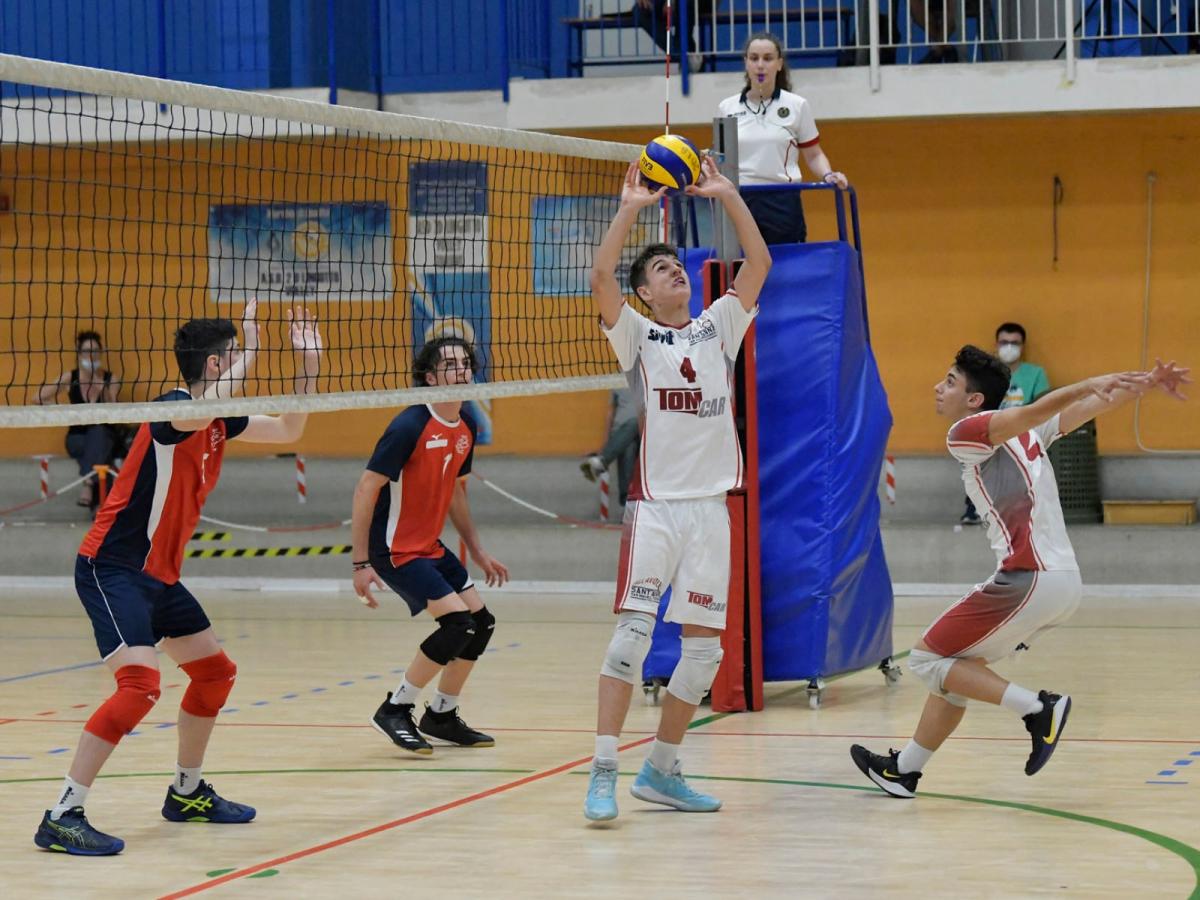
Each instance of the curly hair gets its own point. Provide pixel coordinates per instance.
(427, 358)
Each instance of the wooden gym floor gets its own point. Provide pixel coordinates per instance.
(342, 811)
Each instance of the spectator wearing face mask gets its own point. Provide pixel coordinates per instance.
(88, 382)
(1026, 383)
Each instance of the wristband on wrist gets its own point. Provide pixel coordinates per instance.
(361, 564)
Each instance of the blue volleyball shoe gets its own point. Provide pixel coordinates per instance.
(670, 789)
(204, 805)
(1045, 728)
(72, 833)
(601, 802)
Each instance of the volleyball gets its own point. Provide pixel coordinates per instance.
(670, 161)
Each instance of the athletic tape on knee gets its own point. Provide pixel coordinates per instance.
(485, 624)
(629, 646)
(137, 691)
(698, 663)
(454, 632)
(212, 680)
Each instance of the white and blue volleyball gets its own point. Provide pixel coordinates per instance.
(670, 161)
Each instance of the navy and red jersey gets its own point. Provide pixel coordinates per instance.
(155, 503)
(422, 456)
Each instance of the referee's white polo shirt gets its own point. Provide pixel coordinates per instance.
(770, 136)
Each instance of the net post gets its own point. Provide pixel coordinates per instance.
(44, 474)
(101, 471)
(301, 480)
(602, 483)
(725, 152)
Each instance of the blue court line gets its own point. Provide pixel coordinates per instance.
(1167, 772)
(289, 696)
(1183, 762)
(58, 750)
(16, 757)
(1194, 753)
(345, 683)
(1166, 782)
(86, 665)
(260, 702)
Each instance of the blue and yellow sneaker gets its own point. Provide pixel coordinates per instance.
(884, 771)
(670, 789)
(601, 802)
(204, 804)
(1046, 728)
(71, 833)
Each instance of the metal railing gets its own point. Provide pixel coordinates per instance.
(882, 32)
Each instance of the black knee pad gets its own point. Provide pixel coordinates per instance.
(485, 623)
(453, 634)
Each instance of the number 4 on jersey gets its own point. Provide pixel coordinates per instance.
(687, 371)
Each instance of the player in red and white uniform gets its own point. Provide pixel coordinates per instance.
(676, 529)
(127, 576)
(1036, 585)
(411, 482)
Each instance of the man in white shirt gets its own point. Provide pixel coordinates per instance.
(1036, 586)
(676, 524)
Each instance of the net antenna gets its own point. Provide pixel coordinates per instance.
(140, 203)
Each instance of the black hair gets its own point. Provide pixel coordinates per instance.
(199, 339)
(784, 79)
(427, 358)
(84, 336)
(985, 375)
(1013, 327)
(637, 268)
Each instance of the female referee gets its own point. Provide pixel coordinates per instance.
(775, 128)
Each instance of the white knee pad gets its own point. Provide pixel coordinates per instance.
(629, 646)
(932, 669)
(697, 668)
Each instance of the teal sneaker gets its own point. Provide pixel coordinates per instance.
(601, 802)
(670, 789)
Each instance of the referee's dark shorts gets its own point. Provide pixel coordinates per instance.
(779, 215)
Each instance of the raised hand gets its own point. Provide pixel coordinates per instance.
(302, 328)
(711, 182)
(250, 326)
(636, 192)
(1169, 377)
(1106, 386)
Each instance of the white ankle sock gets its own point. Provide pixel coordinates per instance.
(186, 779)
(73, 794)
(1020, 700)
(606, 748)
(663, 755)
(443, 702)
(406, 692)
(912, 758)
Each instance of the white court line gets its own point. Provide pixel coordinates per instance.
(904, 591)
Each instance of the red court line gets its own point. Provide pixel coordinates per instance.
(386, 826)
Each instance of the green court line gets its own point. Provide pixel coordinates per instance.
(1186, 852)
(284, 772)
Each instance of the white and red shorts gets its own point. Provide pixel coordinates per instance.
(680, 543)
(1010, 608)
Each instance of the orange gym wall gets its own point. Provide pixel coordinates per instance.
(957, 229)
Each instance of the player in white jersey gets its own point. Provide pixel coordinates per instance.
(1036, 585)
(676, 524)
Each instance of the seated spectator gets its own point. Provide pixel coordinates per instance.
(623, 431)
(88, 382)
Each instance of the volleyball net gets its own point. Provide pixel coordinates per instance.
(129, 205)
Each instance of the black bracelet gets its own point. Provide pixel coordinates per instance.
(361, 564)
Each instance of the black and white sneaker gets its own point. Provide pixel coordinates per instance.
(1046, 728)
(395, 722)
(884, 772)
(448, 726)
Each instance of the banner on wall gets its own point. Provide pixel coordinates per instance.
(300, 251)
(566, 232)
(448, 263)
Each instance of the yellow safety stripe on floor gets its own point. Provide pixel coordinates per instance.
(210, 536)
(247, 552)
